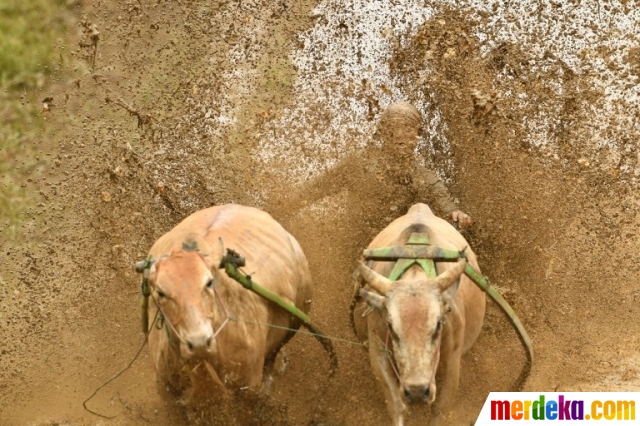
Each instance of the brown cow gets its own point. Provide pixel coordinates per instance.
(427, 323)
(198, 354)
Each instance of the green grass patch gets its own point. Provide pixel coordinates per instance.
(29, 30)
(29, 33)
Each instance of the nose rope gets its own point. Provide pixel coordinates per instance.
(389, 354)
(165, 319)
(226, 313)
(437, 361)
(234, 318)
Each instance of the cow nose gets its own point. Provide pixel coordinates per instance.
(416, 393)
(198, 344)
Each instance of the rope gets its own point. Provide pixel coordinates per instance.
(144, 342)
(231, 318)
(316, 335)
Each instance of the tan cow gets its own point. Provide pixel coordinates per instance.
(199, 354)
(419, 327)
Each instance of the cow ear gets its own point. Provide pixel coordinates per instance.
(152, 272)
(373, 299)
(216, 253)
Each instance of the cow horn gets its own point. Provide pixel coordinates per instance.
(379, 283)
(142, 265)
(139, 266)
(447, 278)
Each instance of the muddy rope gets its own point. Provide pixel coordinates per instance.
(231, 318)
(119, 373)
(298, 330)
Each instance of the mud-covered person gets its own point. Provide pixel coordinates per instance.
(381, 182)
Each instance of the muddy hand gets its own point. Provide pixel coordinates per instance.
(460, 219)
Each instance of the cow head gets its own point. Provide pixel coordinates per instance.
(182, 285)
(415, 309)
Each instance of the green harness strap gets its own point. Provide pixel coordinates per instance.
(246, 282)
(402, 265)
(231, 263)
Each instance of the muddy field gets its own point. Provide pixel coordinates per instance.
(531, 117)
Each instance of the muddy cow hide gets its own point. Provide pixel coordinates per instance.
(417, 328)
(210, 337)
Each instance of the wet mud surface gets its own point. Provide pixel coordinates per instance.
(191, 104)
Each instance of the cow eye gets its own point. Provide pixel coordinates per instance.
(161, 294)
(210, 284)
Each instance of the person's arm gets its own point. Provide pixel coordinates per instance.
(439, 196)
(330, 182)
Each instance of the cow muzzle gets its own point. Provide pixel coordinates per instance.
(420, 393)
(197, 344)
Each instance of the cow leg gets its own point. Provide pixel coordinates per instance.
(269, 362)
(267, 372)
(447, 386)
(384, 372)
(206, 385)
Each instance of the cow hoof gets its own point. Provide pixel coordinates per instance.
(183, 402)
(281, 364)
